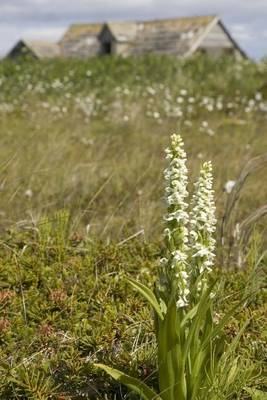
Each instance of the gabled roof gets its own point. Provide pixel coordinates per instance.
(77, 31)
(124, 31)
(39, 49)
(181, 24)
(172, 35)
(129, 29)
(43, 49)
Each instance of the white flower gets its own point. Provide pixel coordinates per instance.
(258, 96)
(219, 105)
(87, 228)
(180, 100)
(180, 256)
(251, 103)
(228, 187)
(176, 232)
(28, 193)
(151, 91)
(181, 303)
(210, 107)
(203, 252)
(203, 222)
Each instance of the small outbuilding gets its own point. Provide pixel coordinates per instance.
(181, 37)
(35, 49)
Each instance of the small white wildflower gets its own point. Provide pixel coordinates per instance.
(163, 260)
(28, 193)
(251, 103)
(88, 228)
(258, 96)
(219, 105)
(228, 187)
(151, 91)
(190, 109)
(210, 132)
(179, 100)
(204, 124)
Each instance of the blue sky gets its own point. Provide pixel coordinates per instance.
(48, 19)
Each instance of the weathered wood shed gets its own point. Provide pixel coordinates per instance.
(34, 49)
(179, 36)
(81, 40)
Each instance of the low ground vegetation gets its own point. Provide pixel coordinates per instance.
(81, 207)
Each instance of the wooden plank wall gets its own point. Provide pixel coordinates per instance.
(217, 38)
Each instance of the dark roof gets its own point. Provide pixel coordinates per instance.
(41, 49)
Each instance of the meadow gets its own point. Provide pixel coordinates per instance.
(82, 205)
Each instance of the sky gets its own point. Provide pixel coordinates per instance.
(48, 19)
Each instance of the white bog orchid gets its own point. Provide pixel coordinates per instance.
(176, 232)
(202, 224)
(191, 251)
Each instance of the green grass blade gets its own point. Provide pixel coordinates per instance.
(148, 294)
(132, 383)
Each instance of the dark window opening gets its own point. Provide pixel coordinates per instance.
(106, 47)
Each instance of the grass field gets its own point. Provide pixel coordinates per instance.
(81, 206)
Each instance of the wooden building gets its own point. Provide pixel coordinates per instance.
(34, 49)
(81, 41)
(180, 36)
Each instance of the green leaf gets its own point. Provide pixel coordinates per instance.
(256, 394)
(132, 383)
(170, 360)
(148, 294)
(189, 315)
